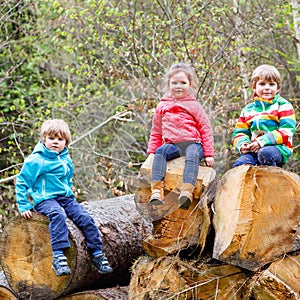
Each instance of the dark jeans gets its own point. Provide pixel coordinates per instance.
(57, 210)
(193, 153)
(266, 156)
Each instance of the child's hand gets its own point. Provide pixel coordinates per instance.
(245, 148)
(209, 161)
(254, 146)
(26, 214)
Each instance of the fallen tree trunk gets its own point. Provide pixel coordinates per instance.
(174, 228)
(117, 293)
(26, 255)
(256, 216)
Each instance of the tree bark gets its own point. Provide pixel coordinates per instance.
(296, 16)
(256, 216)
(26, 254)
(175, 228)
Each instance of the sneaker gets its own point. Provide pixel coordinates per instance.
(102, 264)
(60, 265)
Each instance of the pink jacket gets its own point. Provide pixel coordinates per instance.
(177, 121)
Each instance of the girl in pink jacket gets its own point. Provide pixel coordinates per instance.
(180, 127)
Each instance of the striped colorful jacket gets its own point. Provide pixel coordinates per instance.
(269, 122)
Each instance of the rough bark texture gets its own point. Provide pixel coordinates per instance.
(171, 278)
(175, 228)
(256, 216)
(116, 293)
(280, 281)
(26, 255)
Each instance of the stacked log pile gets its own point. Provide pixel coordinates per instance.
(255, 254)
(238, 240)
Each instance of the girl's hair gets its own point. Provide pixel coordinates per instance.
(265, 72)
(56, 127)
(176, 68)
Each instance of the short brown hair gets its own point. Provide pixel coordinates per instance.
(266, 72)
(56, 127)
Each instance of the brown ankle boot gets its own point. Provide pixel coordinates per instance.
(157, 195)
(186, 196)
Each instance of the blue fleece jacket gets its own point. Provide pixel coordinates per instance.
(44, 175)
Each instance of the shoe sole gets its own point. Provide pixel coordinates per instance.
(106, 272)
(185, 203)
(62, 274)
(156, 202)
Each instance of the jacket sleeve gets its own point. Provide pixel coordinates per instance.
(241, 134)
(156, 139)
(24, 183)
(206, 133)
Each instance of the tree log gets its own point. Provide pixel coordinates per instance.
(116, 293)
(175, 228)
(256, 216)
(171, 278)
(26, 254)
(280, 281)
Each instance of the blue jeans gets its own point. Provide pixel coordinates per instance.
(193, 153)
(266, 156)
(57, 210)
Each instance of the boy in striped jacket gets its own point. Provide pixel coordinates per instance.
(264, 131)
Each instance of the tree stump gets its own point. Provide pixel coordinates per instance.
(26, 254)
(256, 216)
(171, 278)
(175, 228)
(280, 281)
(117, 293)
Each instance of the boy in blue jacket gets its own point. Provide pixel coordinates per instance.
(47, 177)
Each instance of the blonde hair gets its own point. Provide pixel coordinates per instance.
(265, 72)
(176, 68)
(56, 127)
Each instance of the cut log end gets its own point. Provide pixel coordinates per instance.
(256, 220)
(27, 260)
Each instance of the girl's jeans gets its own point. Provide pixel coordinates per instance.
(193, 154)
(266, 156)
(57, 210)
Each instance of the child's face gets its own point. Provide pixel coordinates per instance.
(55, 143)
(266, 89)
(179, 85)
